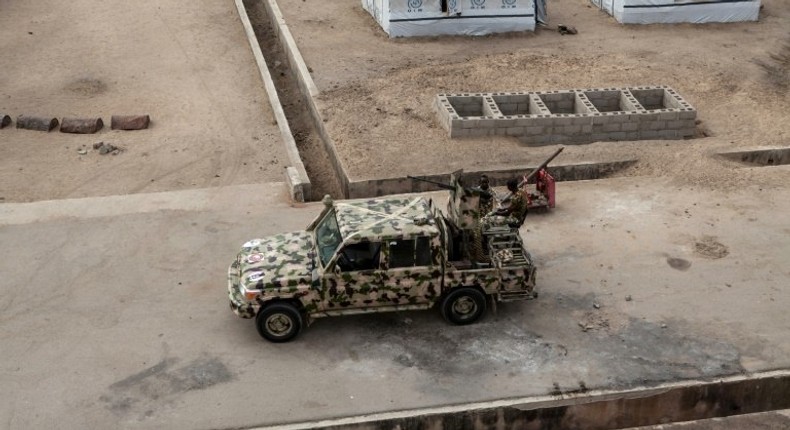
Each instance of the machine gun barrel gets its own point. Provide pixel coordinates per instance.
(441, 185)
(534, 172)
(450, 187)
(541, 167)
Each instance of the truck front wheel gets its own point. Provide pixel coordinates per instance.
(279, 322)
(463, 306)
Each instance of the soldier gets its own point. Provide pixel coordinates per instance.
(486, 197)
(512, 216)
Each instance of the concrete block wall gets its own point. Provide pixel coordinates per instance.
(569, 116)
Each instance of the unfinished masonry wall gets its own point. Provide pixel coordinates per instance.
(569, 116)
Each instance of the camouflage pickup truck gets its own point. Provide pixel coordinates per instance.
(380, 255)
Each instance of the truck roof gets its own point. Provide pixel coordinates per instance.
(390, 218)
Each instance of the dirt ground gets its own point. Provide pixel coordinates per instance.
(377, 92)
(187, 64)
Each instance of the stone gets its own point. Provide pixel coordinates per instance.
(130, 122)
(38, 123)
(4, 120)
(81, 125)
(106, 149)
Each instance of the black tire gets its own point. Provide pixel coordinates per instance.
(463, 306)
(279, 322)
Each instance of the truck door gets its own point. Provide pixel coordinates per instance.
(412, 276)
(355, 279)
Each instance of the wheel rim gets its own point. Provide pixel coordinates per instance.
(279, 324)
(464, 307)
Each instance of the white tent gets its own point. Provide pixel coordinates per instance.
(401, 18)
(676, 11)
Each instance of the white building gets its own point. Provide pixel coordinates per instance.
(676, 11)
(401, 18)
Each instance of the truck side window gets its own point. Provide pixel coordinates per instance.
(410, 253)
(401, 253)
(423, 255)
(359, 256)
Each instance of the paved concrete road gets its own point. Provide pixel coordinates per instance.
(114, 311)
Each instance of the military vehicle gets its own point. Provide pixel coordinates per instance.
(381, 255)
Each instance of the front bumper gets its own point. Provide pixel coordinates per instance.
(238, 304)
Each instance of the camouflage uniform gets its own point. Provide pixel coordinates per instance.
(518, 205)
(486, 202)
(486, 206)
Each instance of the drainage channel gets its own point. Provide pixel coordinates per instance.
(612, 409)
(761, 157)
(322, 175)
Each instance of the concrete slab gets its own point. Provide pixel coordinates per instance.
(114, 311)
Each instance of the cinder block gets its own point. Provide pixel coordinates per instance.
(657, 125)
(469, 123)
(612, 127)
(686, 114)
(546, 121)
(617, 135)
(524, 122)
(534, 130)
(583, 120)
(563, 120)
(603, 119)
(630, 126)
(572, 129)
(686, 132)
(587, 128)
(668, 134)
(514, 131)
(648, 134)
(619, 118)
(649, 117)
(487, 123)
(668, 116)
(632, 135)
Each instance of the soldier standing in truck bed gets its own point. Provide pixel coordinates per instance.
(513, 215)
(487, 196)
(485, 206)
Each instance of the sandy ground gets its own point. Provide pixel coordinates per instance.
(377, 92)
(187, 64)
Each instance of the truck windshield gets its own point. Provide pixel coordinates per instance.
(328, 237)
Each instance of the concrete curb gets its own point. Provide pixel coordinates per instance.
(299, 186)
(307, 87)
(568, 172)
(597, 409)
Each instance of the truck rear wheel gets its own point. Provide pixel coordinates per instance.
(279, 322)
(463, 306)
